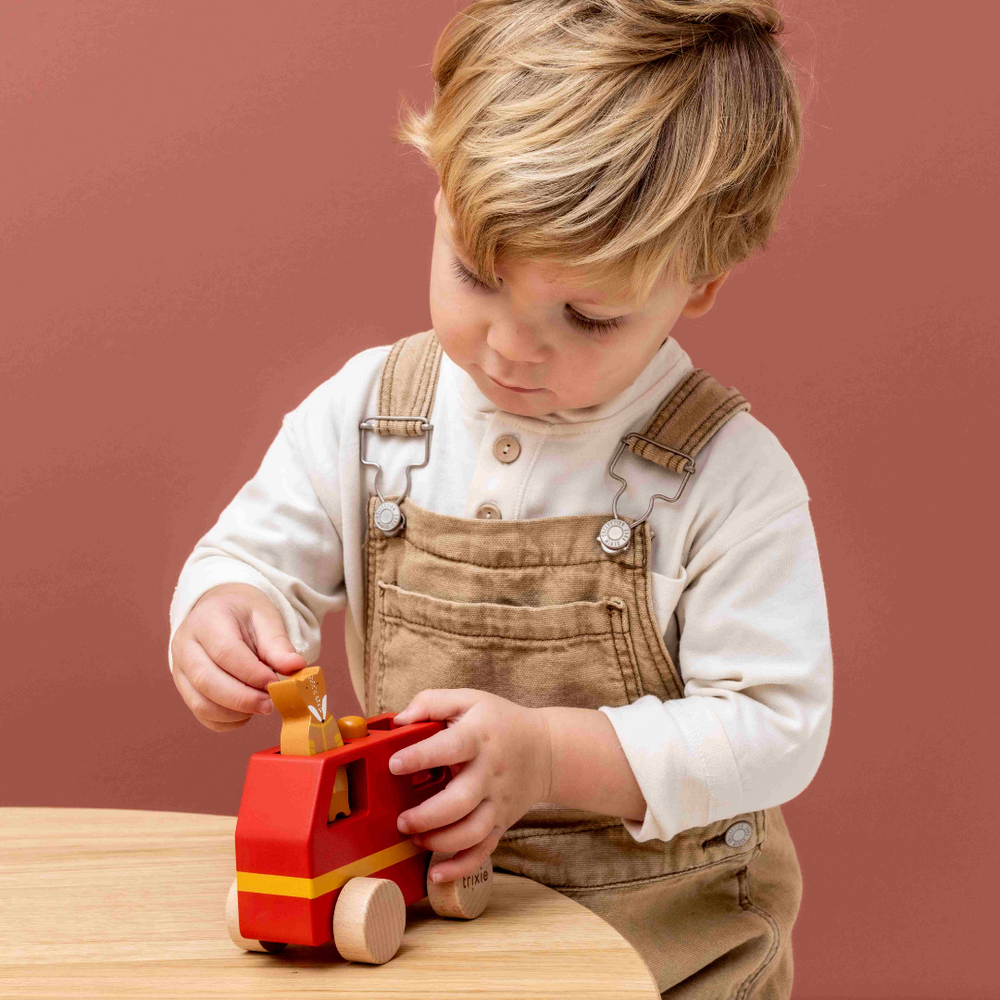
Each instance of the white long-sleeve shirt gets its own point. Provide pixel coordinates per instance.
(737, 584)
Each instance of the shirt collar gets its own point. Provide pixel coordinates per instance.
(657, 378)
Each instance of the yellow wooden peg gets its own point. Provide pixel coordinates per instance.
(308, 728)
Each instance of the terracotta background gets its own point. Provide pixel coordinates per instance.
(204, 216)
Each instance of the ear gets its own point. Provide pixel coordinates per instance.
(437, 201)
(702, 297)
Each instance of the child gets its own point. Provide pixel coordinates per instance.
(632, 685)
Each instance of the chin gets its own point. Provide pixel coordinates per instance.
(536, 408)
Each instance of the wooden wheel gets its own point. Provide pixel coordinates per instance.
(369, 920)
(233, 926)
(465, 897)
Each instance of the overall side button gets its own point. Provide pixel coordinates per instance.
(738, 834)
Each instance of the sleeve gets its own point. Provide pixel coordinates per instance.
(757, 665)
(276, 534)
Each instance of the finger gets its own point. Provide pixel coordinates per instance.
(467, 832)
(207, 712)
(450, 746)
(272, 644)
(204, 707)
(219, 686)
(455, 801)
(225, 642)
(436, 704)
(464, 862)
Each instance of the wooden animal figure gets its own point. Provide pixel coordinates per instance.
(306, 728)
(318, 855)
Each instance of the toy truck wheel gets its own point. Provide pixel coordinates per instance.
(466, 897)
(369, 920)
(233, 926)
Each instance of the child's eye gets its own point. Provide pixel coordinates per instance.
(467, 276)
(598, 326)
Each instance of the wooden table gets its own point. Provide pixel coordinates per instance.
(116, 902)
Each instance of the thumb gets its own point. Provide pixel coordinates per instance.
(273, 644)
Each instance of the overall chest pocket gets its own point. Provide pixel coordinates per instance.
(578, 654)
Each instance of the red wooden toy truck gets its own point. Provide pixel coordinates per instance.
(318, 855)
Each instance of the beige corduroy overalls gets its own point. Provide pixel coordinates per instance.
(538, 612)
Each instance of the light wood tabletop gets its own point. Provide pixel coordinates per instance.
(116, 903)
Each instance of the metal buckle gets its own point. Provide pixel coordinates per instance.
(388, 517)
(616, 534)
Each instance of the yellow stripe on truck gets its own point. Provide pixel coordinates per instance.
(311, 888)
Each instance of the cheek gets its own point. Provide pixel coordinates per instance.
(593, 372)
(453, 316)
(442, 302)
(447, 315)
(588, 364)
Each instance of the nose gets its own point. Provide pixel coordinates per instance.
(516, 343)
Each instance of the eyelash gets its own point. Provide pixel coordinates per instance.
(598, 326)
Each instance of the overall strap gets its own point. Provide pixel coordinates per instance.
(687, 419)
(408, 383)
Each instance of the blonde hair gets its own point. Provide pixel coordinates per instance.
(618, 138)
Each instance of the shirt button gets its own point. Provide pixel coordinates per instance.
(506, 448)
(738, 834)
(489, 511)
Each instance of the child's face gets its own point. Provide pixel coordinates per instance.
(524, 334)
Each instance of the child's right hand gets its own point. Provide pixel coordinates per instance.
(231, 645)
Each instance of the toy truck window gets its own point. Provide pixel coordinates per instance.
(421, 779)
(357, 779)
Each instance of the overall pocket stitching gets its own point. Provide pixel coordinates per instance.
(601, 610)
(624, 652)
(370, 591)
(672, 682)
(747, 903)
(486, 565)
(644, 880)
(383, 634)
(744, 857)
(572, 639)
(575, 828)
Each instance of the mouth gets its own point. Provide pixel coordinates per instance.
(510, 388)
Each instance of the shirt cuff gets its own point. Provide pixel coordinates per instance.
(682, 761)
(213, 572)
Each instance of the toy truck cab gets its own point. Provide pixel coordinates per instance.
(296, 852)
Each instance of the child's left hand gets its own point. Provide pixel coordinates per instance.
(500, 757)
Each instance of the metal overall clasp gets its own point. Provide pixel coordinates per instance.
(389, 519)
(616, 534)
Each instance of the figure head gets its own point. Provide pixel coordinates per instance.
(602, 166)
